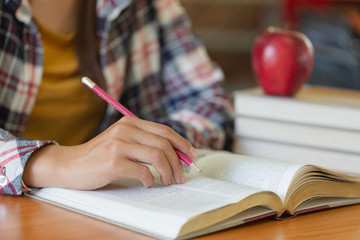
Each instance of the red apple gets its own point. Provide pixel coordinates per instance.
(282, 60)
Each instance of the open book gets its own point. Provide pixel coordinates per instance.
(233, 190)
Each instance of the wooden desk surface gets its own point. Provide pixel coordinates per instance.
(25, 218)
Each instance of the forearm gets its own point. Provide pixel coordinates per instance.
(116, 153)
(197, 105)
(204, 124)
(46, 167)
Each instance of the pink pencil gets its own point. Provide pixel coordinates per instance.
(88, 82)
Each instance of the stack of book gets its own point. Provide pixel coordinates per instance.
(319, 125)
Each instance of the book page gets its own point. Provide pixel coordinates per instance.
(206, 194)
(271, 175)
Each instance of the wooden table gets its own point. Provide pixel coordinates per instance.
(25, 218)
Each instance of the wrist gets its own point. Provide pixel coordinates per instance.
(41, 169)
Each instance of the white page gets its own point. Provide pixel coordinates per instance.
(274, 175)
(206, 194)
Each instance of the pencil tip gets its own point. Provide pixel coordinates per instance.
(194, 166)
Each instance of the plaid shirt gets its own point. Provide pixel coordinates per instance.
(169, 78)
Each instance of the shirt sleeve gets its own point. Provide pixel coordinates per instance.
(14, 153)
(198, 106)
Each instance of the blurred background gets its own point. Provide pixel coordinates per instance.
(228, 29)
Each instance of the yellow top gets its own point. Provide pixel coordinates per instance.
(65, 110)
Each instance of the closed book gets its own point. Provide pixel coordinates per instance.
(312, 105)
(307, 135)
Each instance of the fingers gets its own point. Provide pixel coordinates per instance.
(122, 158)
(139, 171)
(177, 141)
(164, 150)
(154, 157)
(151, 143)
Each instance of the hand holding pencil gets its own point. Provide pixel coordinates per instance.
(115, 153)
(126, 112)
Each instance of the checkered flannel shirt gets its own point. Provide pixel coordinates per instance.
(170, 79)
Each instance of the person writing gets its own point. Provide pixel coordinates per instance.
(56, 132)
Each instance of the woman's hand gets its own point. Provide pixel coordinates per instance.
(115, 153)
